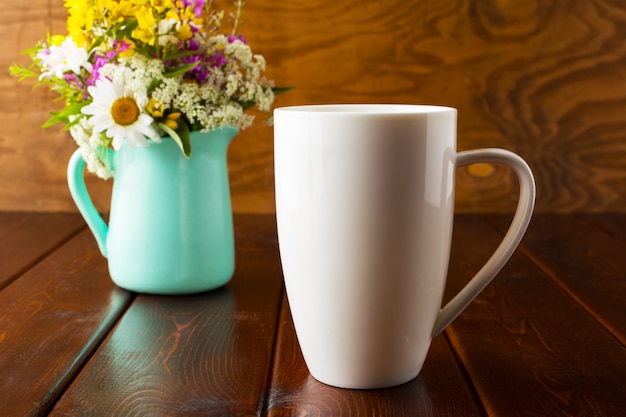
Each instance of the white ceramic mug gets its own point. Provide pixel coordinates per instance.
(364, 205)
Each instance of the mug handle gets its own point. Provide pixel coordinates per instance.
(78, 190)
(511, 240)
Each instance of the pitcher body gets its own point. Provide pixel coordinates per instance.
(170, 229)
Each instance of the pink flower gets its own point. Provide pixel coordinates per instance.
(196, 5)
(102, 60)
(234, 38)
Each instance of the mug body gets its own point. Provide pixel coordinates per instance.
(364, 205)
(170, 227)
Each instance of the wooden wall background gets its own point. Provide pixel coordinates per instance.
(544, 78)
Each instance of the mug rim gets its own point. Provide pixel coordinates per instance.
(367, 108)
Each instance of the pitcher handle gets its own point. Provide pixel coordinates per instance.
(78, 190)
(510, 241)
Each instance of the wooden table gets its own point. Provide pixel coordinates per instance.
(546, 338)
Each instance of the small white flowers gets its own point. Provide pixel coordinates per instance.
(59, 59)
(117, 112)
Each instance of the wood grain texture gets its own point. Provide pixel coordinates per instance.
(527, 348)
(612, 223)
(542, 340)
(584, 260)
(294, 392)
(201, 355)
(544, 79)
(26, 238)
(51, 320)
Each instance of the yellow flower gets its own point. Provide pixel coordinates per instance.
(145, 26)
(155, 108)
(129, 7)
(111, 9)
(117, 10)
(83, 5)
(188, 14)
(130, 51)
(184, 15)
(80, 19)
(161, 5)
(56, 40)
(171, 120)
(184, 32)
(172, 15)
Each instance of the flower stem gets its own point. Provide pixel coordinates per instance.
(237, 15)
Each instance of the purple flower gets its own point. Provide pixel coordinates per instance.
(71, 78)
(196, 5)
(99, 62)
(200, 74)
(122, 45)
(233, 38)
(217, 60)
(194, 45)
(190, 59)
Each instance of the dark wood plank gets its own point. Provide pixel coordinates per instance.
(439, 390)
(51, 319)
(584, 260)
(613, 223)
(201, 355)
(25, 238)
(528, 347)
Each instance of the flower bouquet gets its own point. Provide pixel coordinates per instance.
(142, 81)
(132, 71)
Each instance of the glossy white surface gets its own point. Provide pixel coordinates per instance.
(364, 201)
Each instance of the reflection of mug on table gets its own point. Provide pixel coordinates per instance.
(364, 205)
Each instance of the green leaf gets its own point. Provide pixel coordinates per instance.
(181, 136)
(126, 28)
(63, 116)
(245, 105)
(153, 85)
(185, 135)
(22, 72)
(178, 54)
(280, 90)
(32, 51)
(175, 72)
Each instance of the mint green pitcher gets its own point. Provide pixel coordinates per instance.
(170, 226)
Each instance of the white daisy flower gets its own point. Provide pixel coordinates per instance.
(59, 59)
(116, 110)
(165, 29)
